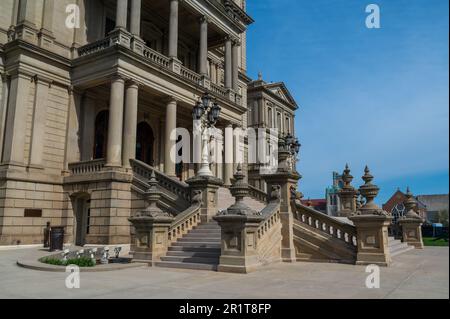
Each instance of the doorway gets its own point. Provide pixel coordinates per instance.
(82, 213)
(144, 143)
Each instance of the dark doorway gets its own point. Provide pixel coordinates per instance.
(82, 212)
(101, 134)
(144, 143)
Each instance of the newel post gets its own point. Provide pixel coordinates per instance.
(239, 230)
(411, 223)
(152, 227)
(371, 224)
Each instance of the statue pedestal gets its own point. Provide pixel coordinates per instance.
(372, 238)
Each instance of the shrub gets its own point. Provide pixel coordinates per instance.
(80, 262)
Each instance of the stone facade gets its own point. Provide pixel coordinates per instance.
(77, 96)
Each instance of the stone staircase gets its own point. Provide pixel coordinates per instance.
(225, 200)
(396, 247)
(198, 249)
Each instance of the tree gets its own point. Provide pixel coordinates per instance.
(443, 217)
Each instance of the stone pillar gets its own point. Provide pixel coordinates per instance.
(371, 224)
(208, 186)
(228, 64)
(411, 223)
(152, 228)
(235, 67)
(348, 195)
(229, 157)
(169, 145)
(39, 118)
(135, 17)
(72, 152)
(203, 47)
(26, 27)
(79, 32)
(45, 35)
(87, 128)
(4, 107)
(115, 126)
(121, 14)
(173, 30)
(14, 138)
(130, 124)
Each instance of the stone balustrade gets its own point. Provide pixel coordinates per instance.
(94, 47)
(185, 222)
(156, 57)
(257, 194)
(219, 90)
(190, 75)
(87, 167)
(178, 188)
(324, 223)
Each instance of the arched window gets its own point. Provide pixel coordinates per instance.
(144, 143)
(101, 134)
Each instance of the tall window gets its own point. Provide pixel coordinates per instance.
(270, 117)
(101, 134)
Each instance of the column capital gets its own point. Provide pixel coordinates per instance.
(131, 83)
(171, 99)
(117, 77)
(37, 78)
(204, 19)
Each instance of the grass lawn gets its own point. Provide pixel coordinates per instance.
(430, 241)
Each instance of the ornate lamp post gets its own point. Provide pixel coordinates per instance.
(207, 112)
(293, 145)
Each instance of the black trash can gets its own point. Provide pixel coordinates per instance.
(57, 238)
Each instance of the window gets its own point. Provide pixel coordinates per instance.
(32, 213)
(288, 125)
(269, 117)
(279, 121)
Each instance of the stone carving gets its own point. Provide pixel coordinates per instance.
(410, 205)
(197, 197)
(369, 191)
(348, 194)
(239, 190)
(275, 194)
(152, 197)
(105, 256)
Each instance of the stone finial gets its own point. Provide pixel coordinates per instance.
(369, 191)
(309, 202)
(152, 196)
(260, 77)
(410, 205)
(239, 190)
(347, 194)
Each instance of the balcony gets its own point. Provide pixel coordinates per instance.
(161, 62)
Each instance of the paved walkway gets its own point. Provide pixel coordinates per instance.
(415, 274)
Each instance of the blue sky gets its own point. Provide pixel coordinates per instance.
(367, 96)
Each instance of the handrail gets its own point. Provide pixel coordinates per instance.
(271, 214)
(184, 222)
(190, 75)
(257, 194)
(156, 57)
(87, 167)
(144, 171)
(325, 223)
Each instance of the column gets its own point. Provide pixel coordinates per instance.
(26, 27)
(228, 63)
(38, 124)
(3, 107)
(173, 29)
(47, 19)
(114, 145)
(14, 138)
(135, 23)
(87, 106)
(229, 156)
(72, 152)
(78, 32)
(121, 14)
(171, 125)
(203, 49)
(130, 123)
(213, 72)
(235, 67)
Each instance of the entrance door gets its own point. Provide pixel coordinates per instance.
(144, 143)
(82, 220)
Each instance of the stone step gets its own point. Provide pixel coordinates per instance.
(189, 259)
(186, 239)
(197, 244)
(204, 234)
(195, 266)
(402, 250)
(185, 248)
(215, 254)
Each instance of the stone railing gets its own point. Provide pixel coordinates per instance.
(219, 90)
(95, 47)
(324, 223)
(268, 237)
(272, 217)
(190, 75)
(185, 222)
(257, 194)
(156, 57)
(176, 187)
(87, 167)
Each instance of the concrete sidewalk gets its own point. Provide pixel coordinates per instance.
(415, 274)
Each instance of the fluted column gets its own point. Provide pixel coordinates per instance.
(130, 123)
(135, 23)
(235, 66)
(203, 49)
(173, 29)
(228, 64)
(121, 14)
(171, 125)
(229, 155)
(3, 106)
(114, 145)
